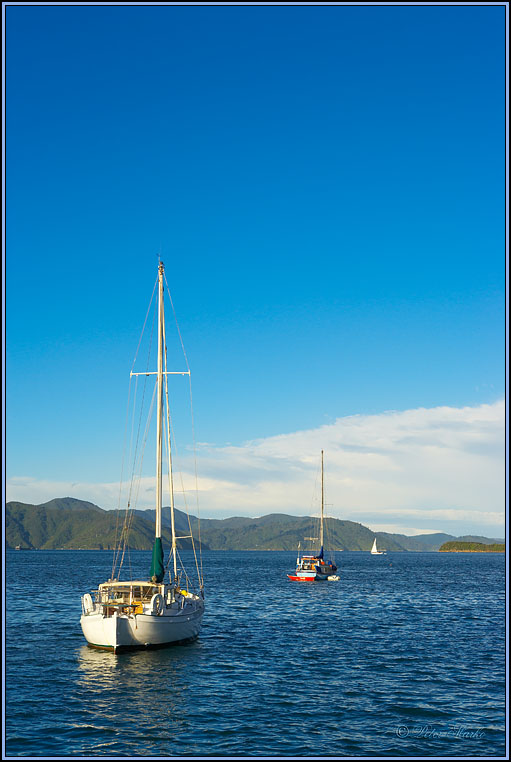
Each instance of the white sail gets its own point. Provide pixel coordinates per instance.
(375, 551)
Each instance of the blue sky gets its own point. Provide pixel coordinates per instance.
(326, 186)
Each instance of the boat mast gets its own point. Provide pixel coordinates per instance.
(322, 503)
(159, 401)
(157, 568)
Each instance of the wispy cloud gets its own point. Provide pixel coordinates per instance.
(438, 469)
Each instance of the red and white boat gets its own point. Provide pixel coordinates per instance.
(310, 567)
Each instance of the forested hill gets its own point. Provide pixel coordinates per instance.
(455, 546)
(71, 523)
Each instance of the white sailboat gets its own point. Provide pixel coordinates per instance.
(375, 551)
(310, 567)
(148, 612)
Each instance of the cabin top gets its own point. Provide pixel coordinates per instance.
(129, 584)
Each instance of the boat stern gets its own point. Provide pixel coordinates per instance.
(104, 632)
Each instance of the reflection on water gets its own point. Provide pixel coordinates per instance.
(137, 673)
(153, 686)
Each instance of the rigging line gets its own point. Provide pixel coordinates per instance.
(315, 509)
(166, 431)
(201, 577)
(169, 429)
(133, 453)
(183, 570)
(170, 475)
(119, 537)
(127, 529)
(122, 537)
(144, 443)
(186, 505)
(122, 474)
(177, 324)
(199, 573)
(138, 479)
(129, 510)
(128, 521)
(143, 327)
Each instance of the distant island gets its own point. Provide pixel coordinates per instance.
(67, 523)
(455, 546)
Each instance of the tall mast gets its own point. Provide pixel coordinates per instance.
(159, 401)
(157, 568)
(322, 502)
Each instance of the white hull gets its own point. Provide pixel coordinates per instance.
(122, 631)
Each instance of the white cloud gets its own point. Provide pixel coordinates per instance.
(422, 470)
(399, 529)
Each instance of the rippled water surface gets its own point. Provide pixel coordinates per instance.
(404, 656)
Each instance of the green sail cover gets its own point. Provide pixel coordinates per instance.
(157, 569)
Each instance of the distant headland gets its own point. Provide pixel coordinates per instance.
(454, 546)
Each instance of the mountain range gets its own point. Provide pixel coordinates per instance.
(69, 523)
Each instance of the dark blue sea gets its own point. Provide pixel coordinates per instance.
(403, 657)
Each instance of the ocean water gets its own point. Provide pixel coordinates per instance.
(404, 656)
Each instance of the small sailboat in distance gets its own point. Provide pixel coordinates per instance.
(310, 567)
(375, 551)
